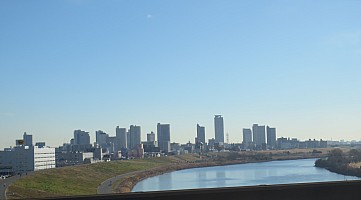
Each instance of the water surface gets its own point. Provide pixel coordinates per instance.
(265, 173)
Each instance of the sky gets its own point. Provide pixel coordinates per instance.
(95, 65)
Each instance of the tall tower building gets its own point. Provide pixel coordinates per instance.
(81, 137)
(219, 128)
(101, 138)
(201, 134)
(121, 138)
(271, 137)
(128, 139)
(259, 135)
(163, 136)
(247, 137)
(135, 136)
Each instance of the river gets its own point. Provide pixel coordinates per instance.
(264, 173)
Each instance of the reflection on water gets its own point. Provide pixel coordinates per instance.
(202, 176)
(221, 178)
(275, 172)
(165, 181)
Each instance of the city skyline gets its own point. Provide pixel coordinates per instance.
(255, 134)
(292, 65)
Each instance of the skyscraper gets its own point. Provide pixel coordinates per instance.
(128, 139)
(81, 137)
(201, 134)
(259, 135)
(135, 136)
(271, 137)
(163, 136)
(247, 137)
(101, 138)
(219, 128)
(121, 138)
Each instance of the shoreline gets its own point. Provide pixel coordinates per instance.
(127, 185)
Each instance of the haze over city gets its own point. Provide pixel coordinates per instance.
(95, 65)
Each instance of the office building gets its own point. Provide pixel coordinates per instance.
(101, 138)
(271, 137)
(21, 159)
(163, 136)
(219, 129)
(81, 137)
(247, 137)
(259, 136)
(201, 134)
(150, 137)
(111, 144)
(28, 139)
(135, 136)
(128, 139)
(121, 138)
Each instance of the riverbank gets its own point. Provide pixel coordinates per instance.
(126, 184)
(85, 179)
(345, 163)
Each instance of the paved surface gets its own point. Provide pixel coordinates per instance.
(4, 184)
(106, 187)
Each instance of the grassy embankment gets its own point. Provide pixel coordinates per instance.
(84, 179)
(79, 180)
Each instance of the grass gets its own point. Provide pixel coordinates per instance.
(78, 180)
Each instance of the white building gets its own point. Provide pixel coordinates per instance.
(27, 158)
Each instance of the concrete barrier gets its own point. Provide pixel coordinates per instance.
(340, 190)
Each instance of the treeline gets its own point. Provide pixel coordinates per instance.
(339, 162)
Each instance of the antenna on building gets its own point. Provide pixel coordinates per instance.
(227, 135)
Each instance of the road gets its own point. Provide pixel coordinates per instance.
(4, 184)
(106, 187)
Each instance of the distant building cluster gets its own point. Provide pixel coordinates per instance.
(124, 145)
(259, 138)
(127, 144)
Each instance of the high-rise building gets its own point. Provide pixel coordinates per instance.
(247, 137)
(259, 135)
(150, 137)
(163, 135)
(135, 136)
(81, 137)
(121, 138)
(101, 138)
(111, 143)
(219, 128)
(201, 134)
(271, 137)
(128, 139)
(28, 139)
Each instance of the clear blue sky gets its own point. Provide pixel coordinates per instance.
(95, 65)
